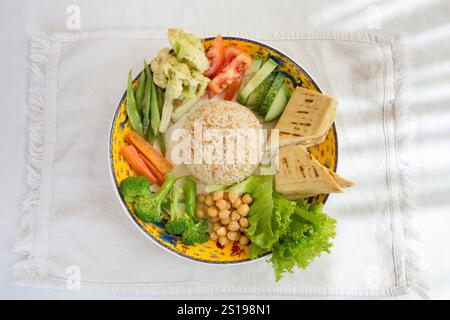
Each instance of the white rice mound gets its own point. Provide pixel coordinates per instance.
(225, 115)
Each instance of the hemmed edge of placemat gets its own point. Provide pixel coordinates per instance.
(24, 270)
(414, 273)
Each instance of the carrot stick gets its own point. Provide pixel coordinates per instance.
(137, 164)
(156, 173)
(153, 155)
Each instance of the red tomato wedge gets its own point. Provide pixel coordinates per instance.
(216, 56)
(230, 53)
(232, 88)
(230, 73)
(137, 164)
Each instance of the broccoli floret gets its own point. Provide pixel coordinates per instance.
(179, 219)
(196, 232)
(148, 207)
(133, 187)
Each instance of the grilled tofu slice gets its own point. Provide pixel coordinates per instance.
(300, 175)
(307, 118)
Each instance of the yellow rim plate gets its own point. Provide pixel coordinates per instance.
(209, 252)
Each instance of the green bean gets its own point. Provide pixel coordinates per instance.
(140, 90)
(190, 196)
(132, 112)
(147, 98)
(154, 111)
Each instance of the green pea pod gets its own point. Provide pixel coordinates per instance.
(154, 111)
(132, 112)
(162, 143)
(147, 98)
(190, 196)
(140, 91)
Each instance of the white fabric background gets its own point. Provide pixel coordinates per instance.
(427, 23)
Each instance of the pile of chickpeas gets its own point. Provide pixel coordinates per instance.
(227, 215)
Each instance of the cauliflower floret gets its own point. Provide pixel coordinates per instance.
(189, 49)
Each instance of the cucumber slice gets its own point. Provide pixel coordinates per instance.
(254, 82)
(257, 97)
(278, 104)
(254, 67)
(271, 94)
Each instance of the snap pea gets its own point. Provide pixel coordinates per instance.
(154, 111)
(147, 98)
(162, 142)
(160, 92)
(150, 137)
(140, 90)
(190, 196)
(132, 112)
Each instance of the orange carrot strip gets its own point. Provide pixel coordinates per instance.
(158, 175)
(137, 164)
(153, 155)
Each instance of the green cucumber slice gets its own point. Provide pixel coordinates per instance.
(257, 97)
(255, 81)
(278, 104)
(271, 94)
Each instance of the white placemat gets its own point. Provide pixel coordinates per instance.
(74, 225)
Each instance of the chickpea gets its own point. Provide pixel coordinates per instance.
(241, 229)
(233, 235)
(237, 203)
(216, 226)
(217, 195)
(233, 226)
(246, 198)
(244, 240)
(200, 213)
(221, 204)
(225, 221)
(221, 232)
(224, 214)
(235, 216)
(232, 196)
(228, 205)
(212, 212)
(201, 198)
(214, 220)
(225, 196)
(243, 222)
(223, 241)
(213, 236)
(243, 209)
(209, 201)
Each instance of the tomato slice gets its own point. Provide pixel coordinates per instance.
(230, 53)
(216, 56)
(232, 88)
(230, 73)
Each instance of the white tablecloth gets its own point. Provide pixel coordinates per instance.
(425, 21)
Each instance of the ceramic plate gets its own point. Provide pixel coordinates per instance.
(210, 252)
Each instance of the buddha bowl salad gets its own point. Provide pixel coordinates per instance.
(252, 212)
